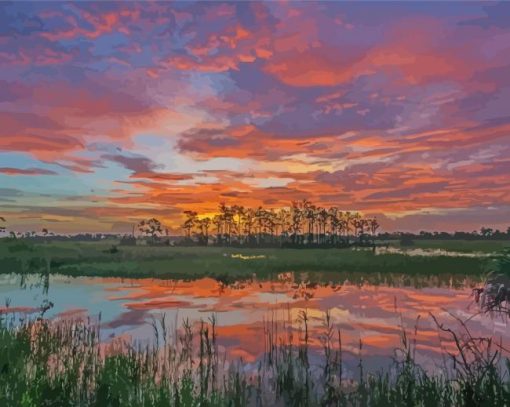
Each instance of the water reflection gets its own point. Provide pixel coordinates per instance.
(431, 252)
(374, 308)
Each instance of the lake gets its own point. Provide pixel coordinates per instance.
(373, 312)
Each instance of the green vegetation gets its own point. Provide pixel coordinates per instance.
(64, 364)
(108, 259)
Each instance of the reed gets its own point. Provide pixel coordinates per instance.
(64, 363)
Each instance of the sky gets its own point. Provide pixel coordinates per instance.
(113, 112)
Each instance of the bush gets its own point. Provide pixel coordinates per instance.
(406, 241)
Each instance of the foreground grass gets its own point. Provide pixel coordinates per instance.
(99, 259)
(43, 364)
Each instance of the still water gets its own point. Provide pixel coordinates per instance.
(373, 312)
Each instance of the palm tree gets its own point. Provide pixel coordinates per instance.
(228, 219)
(249, 218)
(359, 225)
(373, 225)
(323, 226)
(204, 225)
(283, 220)
(347, 222)
(322, 221)
(334, 222)
(238, 210)
(311, 217)
(271, 222)
(296, 214)
(218, 222)
(260, 215)
(190, 222)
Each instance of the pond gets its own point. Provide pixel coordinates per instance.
(373, 312)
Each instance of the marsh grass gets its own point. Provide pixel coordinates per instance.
(223, 264)
(63, 363)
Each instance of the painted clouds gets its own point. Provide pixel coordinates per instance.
(116, 111)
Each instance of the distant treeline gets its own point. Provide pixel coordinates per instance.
(61, 237)
(482, 234)
(302, 224)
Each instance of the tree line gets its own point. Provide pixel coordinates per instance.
(484, 233)
(301, 224)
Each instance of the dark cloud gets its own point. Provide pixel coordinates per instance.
(26, 171)
(410, 192)
(134, 163)
(496, 15)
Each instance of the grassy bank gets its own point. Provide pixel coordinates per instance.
(109, 260)
(43, 363)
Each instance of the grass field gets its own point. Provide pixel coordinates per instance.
(101, 259)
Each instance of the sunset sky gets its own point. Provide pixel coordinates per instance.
(114, 112)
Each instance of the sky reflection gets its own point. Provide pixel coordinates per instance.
(376, 314)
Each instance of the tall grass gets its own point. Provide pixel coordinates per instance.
(63, 363)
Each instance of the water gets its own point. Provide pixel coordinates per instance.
(375, 312)
(433, 252)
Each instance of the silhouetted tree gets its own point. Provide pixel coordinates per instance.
(373, 225)
(227, 215)
(238, 211)
(301, 224)
(190, 222)
(486, 232)
(150, 227)
(249, 217)
(204, 225)
(218, 222)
